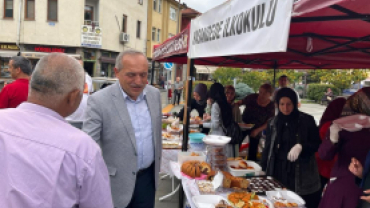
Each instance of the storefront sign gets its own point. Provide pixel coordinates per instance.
(176, 45)
(91, 37)
(49, 49)
(8, 47)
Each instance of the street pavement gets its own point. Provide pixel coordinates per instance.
(164, 188)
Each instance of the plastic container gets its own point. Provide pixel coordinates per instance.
(216, 150)
(196, 137)
(195, 146)
(218, 157)
(242, 172)
(186, 156)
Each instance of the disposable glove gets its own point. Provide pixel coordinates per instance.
(334, 130)
(294, 152)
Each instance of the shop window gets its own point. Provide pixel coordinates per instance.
(8, 8)
(52, 10)
(89, 54)
(105, 54)
(29, 10)
(104, 69)
(4, 67)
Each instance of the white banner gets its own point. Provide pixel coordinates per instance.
(91, 36)
(241, 27)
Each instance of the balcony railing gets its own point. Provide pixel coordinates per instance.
(92, 23)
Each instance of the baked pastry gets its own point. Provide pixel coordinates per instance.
(239, 182)
(194, 168)
(236, 181)
(226, 183)
(194, 154)
(243, 164)
(205, 168)
(211, 175)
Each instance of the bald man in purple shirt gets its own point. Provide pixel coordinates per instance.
(44, 161)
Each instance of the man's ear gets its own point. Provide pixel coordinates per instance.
(74, 97)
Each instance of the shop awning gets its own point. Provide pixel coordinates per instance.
(39, 55)
(8, 53)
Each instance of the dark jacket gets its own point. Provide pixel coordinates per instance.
(196, 106)
(307, 179)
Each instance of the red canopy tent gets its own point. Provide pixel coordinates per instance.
(330, 34)
(324, 34)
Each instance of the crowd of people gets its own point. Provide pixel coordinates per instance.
(114, 161)
(323, 164)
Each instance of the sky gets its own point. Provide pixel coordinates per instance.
(202, 5)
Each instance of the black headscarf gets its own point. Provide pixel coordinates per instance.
(217, 94)
(292, 95)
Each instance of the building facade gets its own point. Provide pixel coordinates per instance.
(93, 30)
(164, 21)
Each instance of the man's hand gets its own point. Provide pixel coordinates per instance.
(356, 168)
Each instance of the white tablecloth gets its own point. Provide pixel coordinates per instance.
(168, 155)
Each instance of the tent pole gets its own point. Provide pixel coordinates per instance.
(189, 86)
(152, 76)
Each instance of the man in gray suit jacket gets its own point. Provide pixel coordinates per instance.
(125, 120)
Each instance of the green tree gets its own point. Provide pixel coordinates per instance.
(254, 79)
(226, 76)
(293, 76)
(342, 79)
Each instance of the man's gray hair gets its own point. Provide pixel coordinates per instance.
(119, 64)
(55, 76)
(23, 63)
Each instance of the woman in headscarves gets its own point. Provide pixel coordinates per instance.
(349, 138)
(199, 101)
(292, 138)
(221, 115)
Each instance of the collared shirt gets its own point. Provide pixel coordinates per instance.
(45, 162)
(14, 93)
(142, 124)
